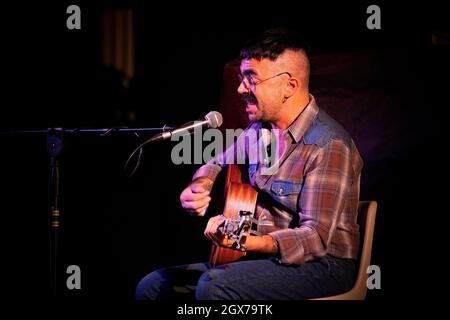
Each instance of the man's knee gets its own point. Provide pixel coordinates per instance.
(209, 287)
(153, 286)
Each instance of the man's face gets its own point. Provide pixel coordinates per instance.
(263, 99)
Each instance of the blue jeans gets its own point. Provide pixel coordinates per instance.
(249, 280)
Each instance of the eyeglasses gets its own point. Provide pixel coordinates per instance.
(251, 84)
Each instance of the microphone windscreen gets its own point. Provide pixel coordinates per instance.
(214, 119)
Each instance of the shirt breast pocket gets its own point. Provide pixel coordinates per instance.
(286, 192)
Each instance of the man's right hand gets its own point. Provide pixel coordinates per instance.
(195, 198)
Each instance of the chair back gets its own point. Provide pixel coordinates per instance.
(367, 211)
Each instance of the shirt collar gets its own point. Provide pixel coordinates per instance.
(301, 124)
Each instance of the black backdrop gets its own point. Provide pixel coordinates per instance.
(118, 229)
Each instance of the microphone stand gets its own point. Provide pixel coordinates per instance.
(54, 147)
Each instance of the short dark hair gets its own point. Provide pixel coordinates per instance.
(273, 42)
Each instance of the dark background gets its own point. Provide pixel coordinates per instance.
(118, 229)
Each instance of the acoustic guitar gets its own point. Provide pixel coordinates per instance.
(239, 197)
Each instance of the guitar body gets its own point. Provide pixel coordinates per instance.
(238, 196)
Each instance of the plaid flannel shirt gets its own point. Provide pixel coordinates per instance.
(312, 198)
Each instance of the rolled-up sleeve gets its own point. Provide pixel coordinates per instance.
(236, 153)
(326, 187)
(209, 170)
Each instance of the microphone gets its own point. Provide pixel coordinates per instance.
(212, 120)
